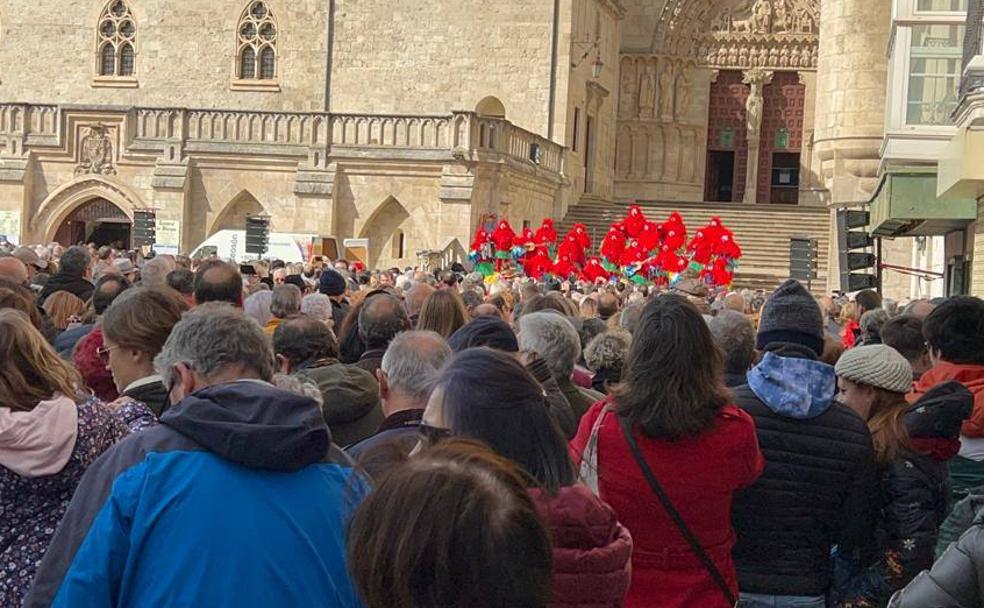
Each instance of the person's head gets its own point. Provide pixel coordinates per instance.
(32, 371)
(212, 344)
(218, 281)
(919, 309)
(486, 310)
(629, 318)
(791, 316)
(488, 395)
(75, 262)
(608, 351)
(301, 341)
(62, 307)
(905, 335)
(16, 296)
(871, 323)
(735, 302)
(318, 306)
(471, 298)
(607, 305)
(31, 260)
(108, 288)
(416, 297)
(673, 381)
(332, 283)
(105, 253)
(434, 529)
(182, 280)
(409, 370)
(135, 328)
(13, 269)
(443, 312)
(589, 308)
(554, 338)
(735, 336)
(286, 301)
(954, 331)
(590, 328)
(279, 276)
(381, 318)
(257, 306)
(154, 272)
(867, 300)
(873, 381)
(490, 331)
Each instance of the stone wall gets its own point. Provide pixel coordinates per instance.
(421, 56)
(185, 54)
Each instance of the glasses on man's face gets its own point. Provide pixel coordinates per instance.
(103, 352)
(432, 435)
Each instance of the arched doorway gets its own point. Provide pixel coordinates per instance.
(491, 107)
(96, 221)
(386, 232)
(233, 216)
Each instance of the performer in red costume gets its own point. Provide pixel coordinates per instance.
(545, 234)
(564, 268)
(649, 237)
(503, 237)
(572, 248)
(537, 263)
(634, 221)
(674, 232)
(583, 238)
(593, 270)
(613, 245)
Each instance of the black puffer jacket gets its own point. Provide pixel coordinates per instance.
(956, 581)
(914, 497)
(915, 489)
(818, 488)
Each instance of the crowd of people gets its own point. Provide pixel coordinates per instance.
(179, 432)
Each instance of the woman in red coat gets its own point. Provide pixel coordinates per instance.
(699, 446)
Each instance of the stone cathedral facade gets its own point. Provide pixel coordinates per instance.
(403, 125)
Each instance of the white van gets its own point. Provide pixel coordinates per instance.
(231, 245)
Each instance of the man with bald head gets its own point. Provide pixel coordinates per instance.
(919, 309)
(381, 319)
(13, 269)
(218, 281)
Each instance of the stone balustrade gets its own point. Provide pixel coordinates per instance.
(291, 133)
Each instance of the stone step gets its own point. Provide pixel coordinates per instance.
(762, 231)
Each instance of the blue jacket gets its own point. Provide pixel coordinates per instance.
(237, 498)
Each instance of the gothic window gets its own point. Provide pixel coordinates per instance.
(257, 43)
(115, 38)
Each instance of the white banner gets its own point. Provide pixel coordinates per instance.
(168, 236)
(10, 226)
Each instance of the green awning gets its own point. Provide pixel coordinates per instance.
(905, 204)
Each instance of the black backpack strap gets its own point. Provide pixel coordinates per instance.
(681, 525)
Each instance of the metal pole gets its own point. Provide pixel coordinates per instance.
(878, 263)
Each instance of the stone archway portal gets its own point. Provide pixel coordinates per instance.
(97, 221)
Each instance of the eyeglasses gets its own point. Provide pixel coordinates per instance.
(103, 352)
(432, 435)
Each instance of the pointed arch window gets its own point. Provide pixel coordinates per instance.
(256, 52)
(116, 36)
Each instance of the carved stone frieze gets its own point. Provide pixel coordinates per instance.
(96, 152)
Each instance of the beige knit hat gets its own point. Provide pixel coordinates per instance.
(877, 365)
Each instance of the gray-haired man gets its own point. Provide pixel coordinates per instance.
(406, 377)
(238, 479)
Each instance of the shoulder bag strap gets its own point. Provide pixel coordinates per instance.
(681, 525)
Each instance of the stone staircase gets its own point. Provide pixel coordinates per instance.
(762, 231)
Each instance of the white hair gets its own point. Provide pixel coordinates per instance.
(554, 338)
(412, 362)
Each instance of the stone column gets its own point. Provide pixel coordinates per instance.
(852, 73)
(754, 106)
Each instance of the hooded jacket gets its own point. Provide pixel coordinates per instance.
(45, 452)
(819, 484)
(956, 580)
(350, 398)
(236, 499)
(591, 550)
(971, 376)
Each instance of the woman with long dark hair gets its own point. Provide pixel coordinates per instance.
(488, 395)
(443, 312)
(671, 421)
(912, 447)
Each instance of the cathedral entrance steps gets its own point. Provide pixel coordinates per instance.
(762, 231)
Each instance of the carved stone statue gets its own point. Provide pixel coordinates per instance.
(626, 99)
(96, 152)
(781, 18)
(684, 95)
(666, 81)
(753, 110)
(647, 92)
(762, 17)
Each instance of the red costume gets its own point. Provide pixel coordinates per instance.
(537, 263)
(634, 221)
(633, 254)
(481, 238)
(572, 248)
(593, 270)
(546, 235)
(564, 268)
(524, 240)
(674, 232)
(649, 236)
(613, 245)
(583, 238)
(701, 248)
(503, 236)
(727, 246)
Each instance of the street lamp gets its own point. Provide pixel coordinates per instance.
(597, 64)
